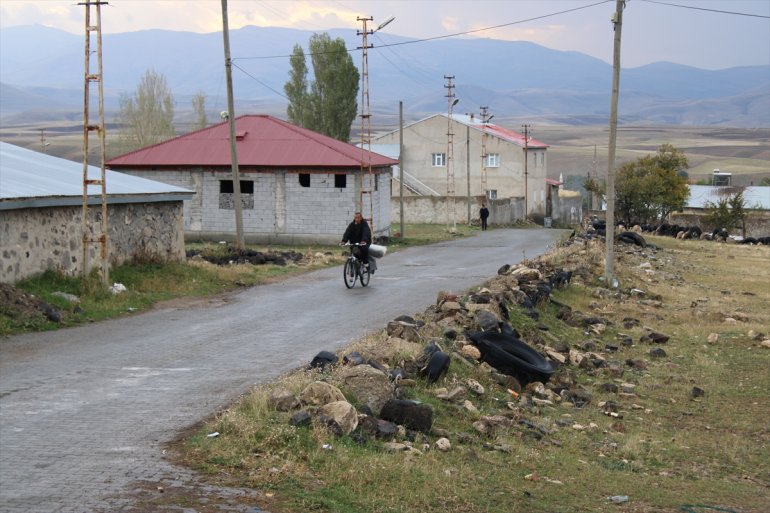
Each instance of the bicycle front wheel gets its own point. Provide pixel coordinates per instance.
(349, 273)
(364, 275)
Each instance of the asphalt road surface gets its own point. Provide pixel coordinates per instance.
(85, 412)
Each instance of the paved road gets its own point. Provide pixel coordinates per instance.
(86, 411)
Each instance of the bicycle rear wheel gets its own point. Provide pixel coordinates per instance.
(364, 274)
(349, 273)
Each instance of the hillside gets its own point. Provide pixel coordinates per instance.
(513, 78)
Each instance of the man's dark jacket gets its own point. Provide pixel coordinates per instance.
(358, 232)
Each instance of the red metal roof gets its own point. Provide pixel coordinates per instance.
(261, 141)
(509, 135)
(551, 181)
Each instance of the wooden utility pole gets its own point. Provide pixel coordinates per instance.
(239, 242)
(617, 21)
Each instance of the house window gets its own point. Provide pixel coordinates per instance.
(542, 158)
(438, 159)
(492, 194)
(227, 196)
(340, 181)
(226, 187)
(493, 160)
(304, 179)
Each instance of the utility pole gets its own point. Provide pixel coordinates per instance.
(468, 167)
(401, 164)
(484, 120)
(450, 169)
(90, 235)
(526, 164)
(367, 173)
(617, 21)
(239, 242)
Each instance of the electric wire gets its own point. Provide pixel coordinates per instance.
(455, 34)
(705, 9)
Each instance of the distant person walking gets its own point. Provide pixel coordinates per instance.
(484, 214)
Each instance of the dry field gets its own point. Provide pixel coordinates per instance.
(743, 152)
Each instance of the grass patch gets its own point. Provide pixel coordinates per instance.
(150, 283)
(665, 448)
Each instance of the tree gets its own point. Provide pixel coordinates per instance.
(652, 187)
(330, 105)
(146, 117)
(296, 88)
(728, 212)
(199, 107)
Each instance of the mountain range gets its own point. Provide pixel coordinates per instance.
(42, 74)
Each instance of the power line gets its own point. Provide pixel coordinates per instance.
(708, 10)
(257, 80)
(455, 34)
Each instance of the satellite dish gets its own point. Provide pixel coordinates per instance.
(224, 115)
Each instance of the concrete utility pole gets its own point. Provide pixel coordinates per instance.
(239, 242)
(526, 164)
(617, 21)
(401, 164)
(468, 167)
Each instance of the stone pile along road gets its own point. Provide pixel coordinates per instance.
(85, 412)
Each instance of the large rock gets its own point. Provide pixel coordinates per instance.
(319, 393)
(368, 386)
(342, 414)
(410, 414)
(282, 399)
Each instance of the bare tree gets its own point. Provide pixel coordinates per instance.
(147, 117)
(199, 107)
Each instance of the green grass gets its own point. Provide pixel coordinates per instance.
(151, 283)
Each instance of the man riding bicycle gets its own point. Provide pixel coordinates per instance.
(358, 232)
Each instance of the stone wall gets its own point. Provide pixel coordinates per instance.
(757, 223)
(37, 239)
(437, 210)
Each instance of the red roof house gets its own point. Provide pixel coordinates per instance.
(296, 185)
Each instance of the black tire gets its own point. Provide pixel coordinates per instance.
(511, 356)
(364, 274)
(349, 273)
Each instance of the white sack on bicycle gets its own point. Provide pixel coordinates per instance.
(377, 251)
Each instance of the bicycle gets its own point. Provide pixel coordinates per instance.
(354, 268)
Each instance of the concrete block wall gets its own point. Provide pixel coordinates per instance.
(37, 239)
(279, 210)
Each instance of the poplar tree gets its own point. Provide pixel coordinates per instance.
(330, 105)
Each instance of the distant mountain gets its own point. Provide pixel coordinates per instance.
(41, 69)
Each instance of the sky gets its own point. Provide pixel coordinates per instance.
(708, 34)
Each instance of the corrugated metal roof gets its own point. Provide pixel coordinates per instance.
(753, 197)
(497, 131)
(267, 142)
(490, 128)
(32, 179)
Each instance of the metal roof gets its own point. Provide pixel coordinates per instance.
(490, 128)
(261, 141)
(753, 197)
(32, 179)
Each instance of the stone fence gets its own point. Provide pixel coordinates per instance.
(33, 240)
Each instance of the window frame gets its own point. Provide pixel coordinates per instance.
(436, 157)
